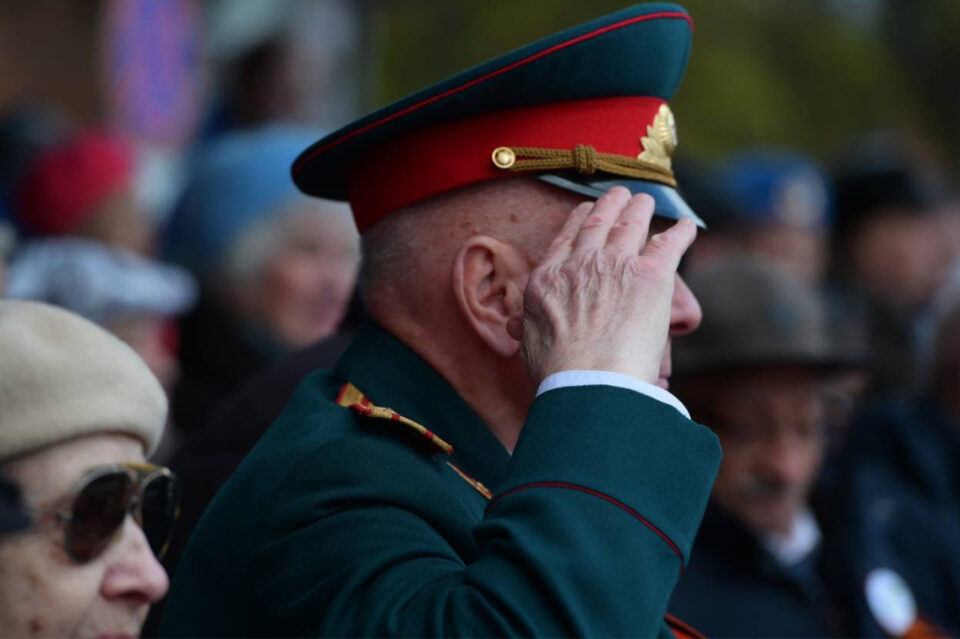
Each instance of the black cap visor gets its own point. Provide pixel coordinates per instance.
(668, 202)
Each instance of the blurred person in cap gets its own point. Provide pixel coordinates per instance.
(888, 257)
(781, 209)
(80, 412)
(277, 269)
(758, 372)
(496, 454)
(133, 297)
(84, 186)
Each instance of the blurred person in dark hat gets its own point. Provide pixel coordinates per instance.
(888, 254)
(80, 412)
(758, 371)
(277, 269)
(83, 185)
(496, 454)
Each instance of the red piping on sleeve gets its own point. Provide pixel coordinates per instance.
(681, 629)
(619, 504)
(492, 74)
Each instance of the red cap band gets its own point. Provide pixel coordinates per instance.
(431, 161)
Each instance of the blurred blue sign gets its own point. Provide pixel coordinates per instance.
(154, 68)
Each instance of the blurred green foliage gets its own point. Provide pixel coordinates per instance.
(808, 74)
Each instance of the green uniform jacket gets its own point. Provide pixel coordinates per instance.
(340, 524)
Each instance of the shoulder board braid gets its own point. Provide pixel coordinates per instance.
(351, 397)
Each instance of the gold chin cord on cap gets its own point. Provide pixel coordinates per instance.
(653, 164)
(582, 158)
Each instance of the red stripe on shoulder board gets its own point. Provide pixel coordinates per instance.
(619, 504)
(519, 63)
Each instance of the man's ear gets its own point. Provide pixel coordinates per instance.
(489, 277)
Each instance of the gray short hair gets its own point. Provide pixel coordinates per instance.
(389, 252)
(253, 250)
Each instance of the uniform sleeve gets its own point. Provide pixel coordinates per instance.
(587, 536)
(566, 379)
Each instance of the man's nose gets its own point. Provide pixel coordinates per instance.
(133, 572)
(786, 460)
(685, 313)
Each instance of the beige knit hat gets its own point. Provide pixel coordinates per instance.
(62, 376)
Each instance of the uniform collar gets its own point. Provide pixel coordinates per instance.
(392, 375)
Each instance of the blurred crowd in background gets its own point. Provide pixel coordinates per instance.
(145, 148)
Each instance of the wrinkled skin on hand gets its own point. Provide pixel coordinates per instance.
(601, 297)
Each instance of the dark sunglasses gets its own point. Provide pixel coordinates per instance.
(105, 496)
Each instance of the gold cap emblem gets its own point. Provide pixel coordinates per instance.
(661, 139)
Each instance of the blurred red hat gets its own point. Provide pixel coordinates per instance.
(65, 183)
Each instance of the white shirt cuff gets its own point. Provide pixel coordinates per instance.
(565, 379)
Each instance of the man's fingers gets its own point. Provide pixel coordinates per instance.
(596, 226)
(562, 245)
(629, 232)
(670, 245)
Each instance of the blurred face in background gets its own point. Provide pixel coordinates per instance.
(306, 277)
(898, 257)
(771, 426)
(45, 593)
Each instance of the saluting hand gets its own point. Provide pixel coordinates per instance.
(601, 298)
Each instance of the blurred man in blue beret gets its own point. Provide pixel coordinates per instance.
(780, 204)
(497, 453)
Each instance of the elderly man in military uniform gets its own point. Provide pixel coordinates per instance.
(496, 453)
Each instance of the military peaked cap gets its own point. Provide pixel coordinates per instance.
(585, 109)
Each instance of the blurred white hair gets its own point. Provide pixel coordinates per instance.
(256, 247)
